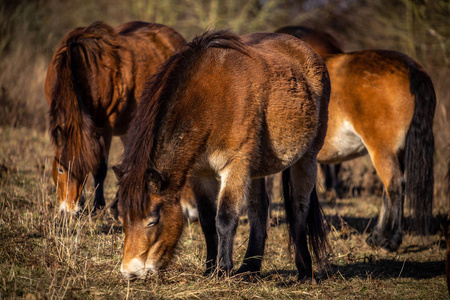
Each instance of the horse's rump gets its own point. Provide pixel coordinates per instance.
(383, 102)
(376, 107)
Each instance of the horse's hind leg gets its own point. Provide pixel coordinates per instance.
(298, 183)
(257, 206)
(205, 191)
(388, 231)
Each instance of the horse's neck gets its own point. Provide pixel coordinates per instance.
(179, 145)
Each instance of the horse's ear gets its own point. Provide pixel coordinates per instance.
(60, 138)
(118, 172)
(155, 181)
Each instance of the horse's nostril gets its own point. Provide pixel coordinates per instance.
(133, 270)
(129, 276)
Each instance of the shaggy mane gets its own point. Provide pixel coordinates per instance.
(78, 60)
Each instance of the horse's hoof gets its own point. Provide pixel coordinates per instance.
(98, 209)
(374, 240)
(248, 267)
(248, 272)
(307, 279)
(248, 276)
(392, 245)
(209, 271)
(223, 270)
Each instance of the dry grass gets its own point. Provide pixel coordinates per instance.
(45, 256)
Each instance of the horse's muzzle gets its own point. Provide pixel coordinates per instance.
(135, 269)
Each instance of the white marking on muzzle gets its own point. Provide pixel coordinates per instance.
(136, 269)
(64, 208)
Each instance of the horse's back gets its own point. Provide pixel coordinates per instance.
(158, 34)
(284, 83)
(322, 42)
(284, 53)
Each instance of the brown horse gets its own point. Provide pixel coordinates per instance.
(382, 103)
(222, 114)
(93, 82)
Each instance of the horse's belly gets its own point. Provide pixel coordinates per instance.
(344, 144)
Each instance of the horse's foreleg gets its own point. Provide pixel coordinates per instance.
(99, 179)
(388, 232)
(330, 172)
(205, 191)
(100, 173)
(233, 190)
(257, 206)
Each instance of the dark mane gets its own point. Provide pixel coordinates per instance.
(157, 97)
(77, 63)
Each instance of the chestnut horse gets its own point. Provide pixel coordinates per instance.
(93, 83)
(382, 102)
(222, 114)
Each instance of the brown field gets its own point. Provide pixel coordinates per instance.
(45, 256)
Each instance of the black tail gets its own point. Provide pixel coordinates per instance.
(315, 225)
(316, 229)
(419, 149)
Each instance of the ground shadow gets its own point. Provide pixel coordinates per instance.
(387, 269)
(380, 269)
(357, 224)
(362, 225)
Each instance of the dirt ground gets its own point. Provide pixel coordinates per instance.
(43, 255)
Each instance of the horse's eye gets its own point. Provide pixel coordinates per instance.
(153, 219)
(60, 170)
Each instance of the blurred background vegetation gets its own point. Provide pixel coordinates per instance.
(31, 29)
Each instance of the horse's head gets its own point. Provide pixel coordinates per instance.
(68, 183)
(69, 188)
(153, 220)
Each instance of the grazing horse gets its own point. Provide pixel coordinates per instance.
(93, 83)
(382, 103)
(222, 114)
